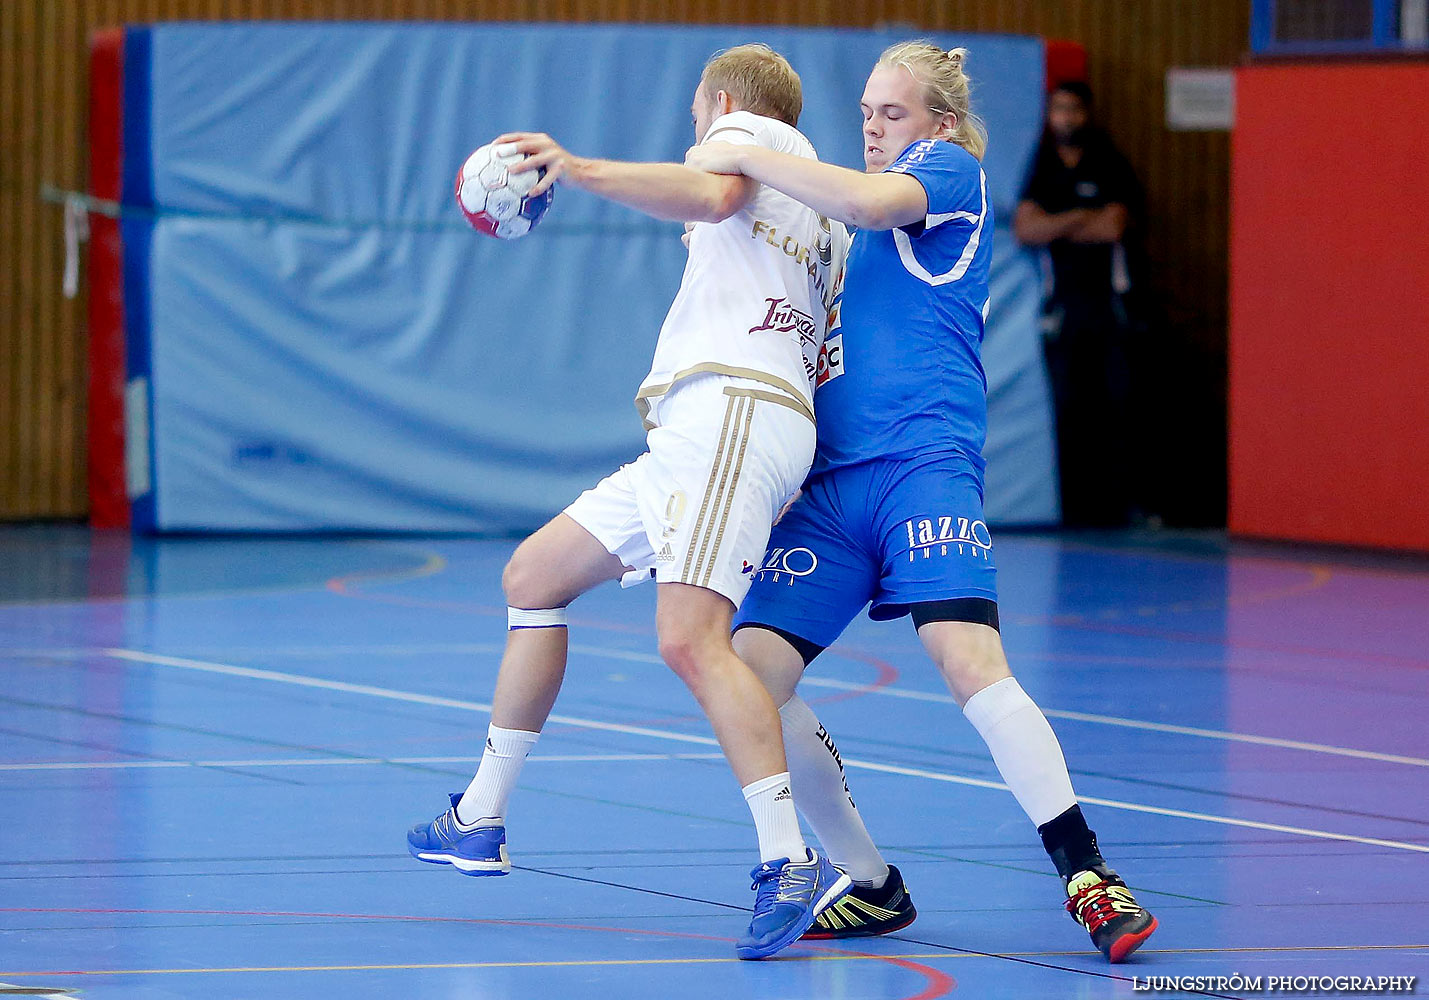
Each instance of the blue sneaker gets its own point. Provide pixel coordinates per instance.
(790, 895)
(472, 852)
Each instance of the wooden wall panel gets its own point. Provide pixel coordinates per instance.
(43, 63)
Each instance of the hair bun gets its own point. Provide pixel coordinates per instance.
(956, 56)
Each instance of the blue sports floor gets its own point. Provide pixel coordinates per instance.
(212, 749)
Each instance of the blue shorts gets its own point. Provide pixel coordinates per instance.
(890, 532)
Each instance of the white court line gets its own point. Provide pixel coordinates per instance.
(916, 772)
(886, 691)
(1155, 727)
(1105, 720)
(663, 734)
(391, 649)
(144, 765)
(253, 673)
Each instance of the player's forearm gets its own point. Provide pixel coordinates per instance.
(854, 198)
(663, 190)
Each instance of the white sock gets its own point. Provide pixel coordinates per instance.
(1024, 748)
(484, 802)
(822, 795)
(772, 804)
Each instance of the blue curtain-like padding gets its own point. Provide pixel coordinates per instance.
(331, 349)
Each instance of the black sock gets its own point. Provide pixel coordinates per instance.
(1071, 845)
(885, 894)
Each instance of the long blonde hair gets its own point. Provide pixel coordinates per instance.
(946, 88)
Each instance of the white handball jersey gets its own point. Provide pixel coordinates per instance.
(757, 288)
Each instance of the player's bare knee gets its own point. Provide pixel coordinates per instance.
(681, 652)
(513, 580)
(780, 683)
(526, 584)
(691, 651)
(969, 657)
(771, 659)
(967, 676)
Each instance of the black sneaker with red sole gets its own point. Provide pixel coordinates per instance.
(866, 912)
(1099, 900)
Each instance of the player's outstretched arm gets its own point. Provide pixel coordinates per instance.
(663, 190)
(868, 201)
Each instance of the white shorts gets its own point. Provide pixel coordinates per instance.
(696, 508)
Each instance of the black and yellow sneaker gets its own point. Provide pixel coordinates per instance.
(865, 912)
(1100, 901)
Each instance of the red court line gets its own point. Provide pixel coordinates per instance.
(939, 983)
(887, 674)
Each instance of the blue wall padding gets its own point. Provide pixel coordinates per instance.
(136, 230)
(330, 348)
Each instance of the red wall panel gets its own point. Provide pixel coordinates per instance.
(1329, 332)
(108, 504)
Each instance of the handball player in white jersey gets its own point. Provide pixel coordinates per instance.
(728, 410)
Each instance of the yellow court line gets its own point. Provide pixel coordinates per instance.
(433, 564)
(474, 965)
(1319, 576)
(862, 957)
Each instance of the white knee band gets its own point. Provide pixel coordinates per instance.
(535, 618)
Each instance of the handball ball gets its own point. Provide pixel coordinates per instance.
(497, 202)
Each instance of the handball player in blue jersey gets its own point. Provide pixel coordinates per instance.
(892, 513)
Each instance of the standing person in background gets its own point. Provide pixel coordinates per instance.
(1080, 201)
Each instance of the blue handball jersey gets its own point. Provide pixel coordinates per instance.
(902, 369)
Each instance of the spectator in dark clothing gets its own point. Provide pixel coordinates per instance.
(1080, 201)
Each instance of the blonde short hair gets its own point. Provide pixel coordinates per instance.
(759, 79)
(946, 88)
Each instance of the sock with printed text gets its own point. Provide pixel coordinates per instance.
(821, 793)
(771, 802)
